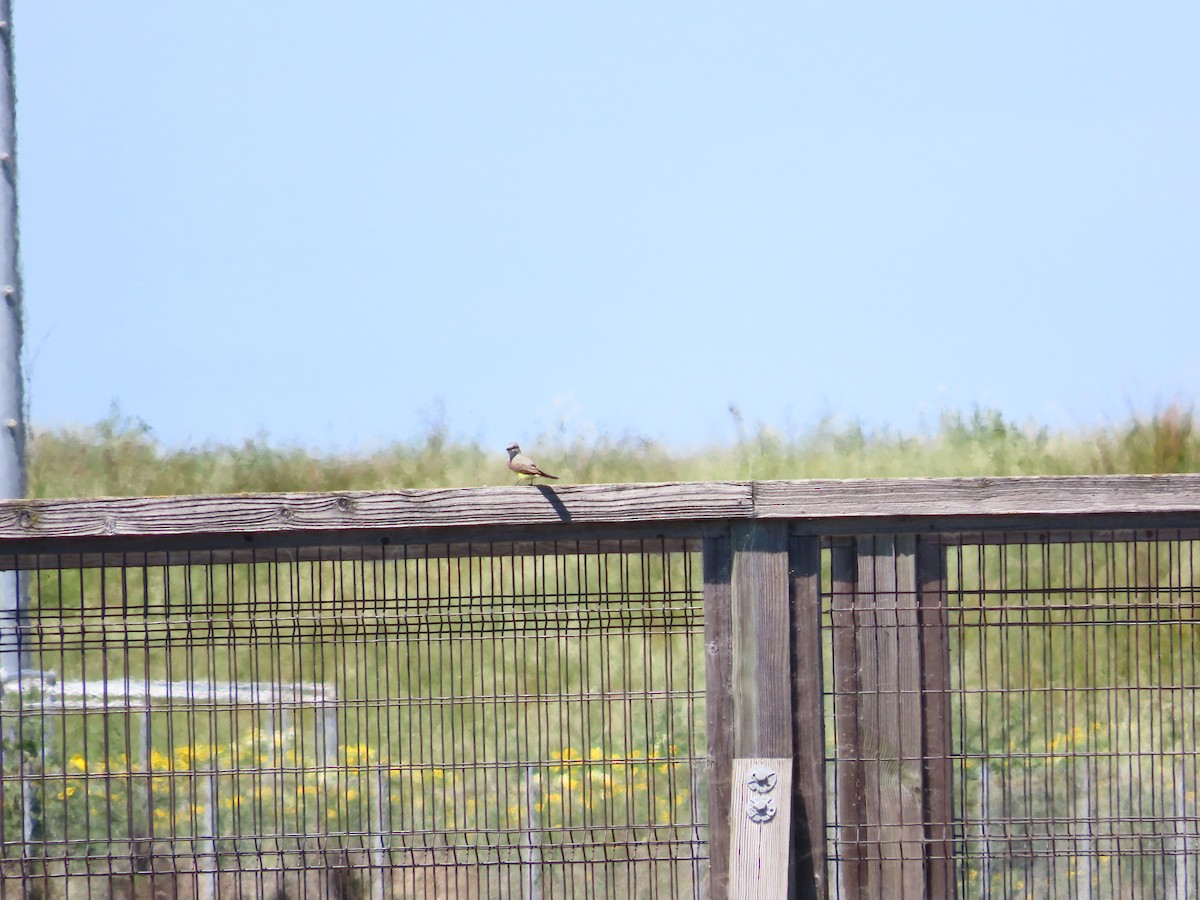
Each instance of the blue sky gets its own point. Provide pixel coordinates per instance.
(334, 223)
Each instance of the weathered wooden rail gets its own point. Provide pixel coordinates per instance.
(803, 581)
(874, 504)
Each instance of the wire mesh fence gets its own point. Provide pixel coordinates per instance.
(417, 720)
(1019, 709)
(970, 714)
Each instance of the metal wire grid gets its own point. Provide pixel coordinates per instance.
(1075, 749)
(366, 721)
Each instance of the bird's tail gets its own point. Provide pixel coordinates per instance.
(544, 475)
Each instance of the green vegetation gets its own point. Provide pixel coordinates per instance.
(1074, 714)
(121, 456)
(475, 701)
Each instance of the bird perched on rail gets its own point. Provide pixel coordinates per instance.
(525, 467)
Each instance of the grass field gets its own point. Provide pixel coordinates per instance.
(121, 456)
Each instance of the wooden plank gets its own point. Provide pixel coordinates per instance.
(808, 823)
(761, 643)
(828, 505)
(849, 877)
(758, 850)
(760, 605)
(889, 726)
(937, 740)
(762, 678)
(718, 680)
(415, 543)
(867, 499)
(266, 513)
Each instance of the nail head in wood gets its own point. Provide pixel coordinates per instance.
(759, 840)
(761, 779)
(760, 809)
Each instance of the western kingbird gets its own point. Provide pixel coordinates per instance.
(525, 467)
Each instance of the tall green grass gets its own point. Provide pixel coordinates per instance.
(122, 456)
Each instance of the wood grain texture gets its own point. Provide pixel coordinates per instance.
(762, 693)
(718, 701)
(760, 606)
(266, 513)
(936, 710)
(758, 852)
(865, 499)
(849, 873)
(889, 722)
(831, 504)
(809, 877)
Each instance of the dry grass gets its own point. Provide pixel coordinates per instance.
(121, 456)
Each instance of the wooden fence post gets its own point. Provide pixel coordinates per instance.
(892, 706)
(888, 712)
(718, 694)
(760, 604)
(938, 745)
(809, 863)
(850, 869)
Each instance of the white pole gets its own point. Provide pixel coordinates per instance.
(13, 657)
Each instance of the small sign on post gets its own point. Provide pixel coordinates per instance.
(759, 828)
